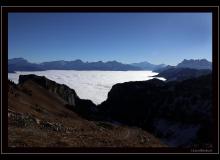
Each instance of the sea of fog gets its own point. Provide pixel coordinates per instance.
(93, 85)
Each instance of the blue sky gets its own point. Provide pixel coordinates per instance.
(126, 37)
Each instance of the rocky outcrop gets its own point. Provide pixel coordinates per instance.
(69, 95)
(180, 113)
(85, 107)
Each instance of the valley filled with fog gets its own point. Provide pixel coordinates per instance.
(93, 85)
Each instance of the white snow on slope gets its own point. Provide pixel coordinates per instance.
(93, 85)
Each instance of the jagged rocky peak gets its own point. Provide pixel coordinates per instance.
(195, 61)
(85, 107)
(195, 64)
(60, 89)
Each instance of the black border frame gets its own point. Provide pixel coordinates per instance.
(4, 57)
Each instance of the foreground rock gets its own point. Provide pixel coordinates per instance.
(180, 113)
(42, 113)
(177, 112)
(85, 108)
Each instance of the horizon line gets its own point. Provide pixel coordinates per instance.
(85, 61)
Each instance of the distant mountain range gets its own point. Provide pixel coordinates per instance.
(20, 64)
(185, 70)
(148, 66)
(191, 63)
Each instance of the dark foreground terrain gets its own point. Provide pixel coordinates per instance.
(44, 113)
(38, 116)
(177, 112)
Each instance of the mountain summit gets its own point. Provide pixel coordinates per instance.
(195, 64)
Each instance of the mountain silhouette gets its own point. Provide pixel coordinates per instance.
(20, 64)
(195, 64)
(148, 66)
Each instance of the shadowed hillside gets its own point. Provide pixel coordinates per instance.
(42, 113)
(180, 113)
(177, 112)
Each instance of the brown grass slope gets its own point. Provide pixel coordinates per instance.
(38, 118)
